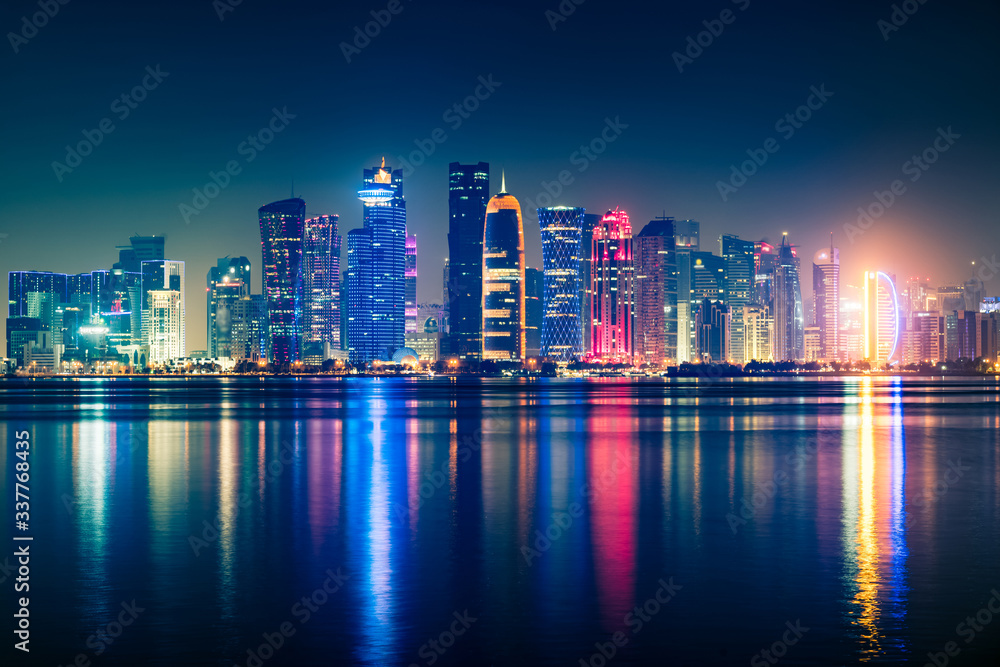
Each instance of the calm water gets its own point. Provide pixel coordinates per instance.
(501, 522)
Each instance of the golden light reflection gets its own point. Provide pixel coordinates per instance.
(866, 537)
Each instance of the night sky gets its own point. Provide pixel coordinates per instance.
(556, 91)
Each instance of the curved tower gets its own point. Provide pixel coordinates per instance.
(503, 279)
(282, 225)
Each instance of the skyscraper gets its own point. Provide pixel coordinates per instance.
(590, 221)
(687, 235)
(881, 318)
(377, 321)
(282, 226)
(534, 288)
(249, 337)
(712, 332)
(22, 283)
(789, 318)
(758, 329)
(738, 256)
(613, 301)
(562, 328)
(503, 280)
(321, 281)
(226, 282)
(468, 193)
(139, 250)
(163, 275)
(411, 285)
(656, 293)
(826, 300)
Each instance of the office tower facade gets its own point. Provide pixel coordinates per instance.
(226, 282)
(321, 281)
(712, 332)
(923, 337)
(468, 194)
(656, 293)
(739, 273)
(977, 335)
(687, 234)
(249, 329)
(826, 301)
(562, 324)
(163, 322)
(765, 259)
(789, 318)
(758, 329)
(410, 305)
(590, 222)
(20, 284)
(951, 301)
(282, 225)
(503, 280)
(360, 300)
(379, 323)
(687, 241)
(613, 300)
(139, 250)
(163, 275)
(881, 318)
(79, 289)
(534, 289)
(117, 304)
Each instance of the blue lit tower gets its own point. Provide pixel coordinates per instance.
(281, 230)
(468, 193)
(376, 327)
(562, 328)
(321, 281)
(789, 319)
(503, 280)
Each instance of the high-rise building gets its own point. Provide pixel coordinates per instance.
(534, 288)
(163, 322)
(765, 259)
(789, 318)
(882, 318)
(951, 301)
(687, 234)
(426, 342)
(613, 301)
(377, 327)
(468, 194)
(656, 293)
(411, 285)
(79, 289)
(738, 282)
(282, 225)
(712, 332)
(977, 335)
(590, 222)
(20, 284)
(139, 250)
(163, 275)
(117, 303)
(321, 281)
(226, 282)
(503, 280)
(758, 330)
(826, 301)
(249, 329)
(923, 337)
(973, 291)
(562, 325)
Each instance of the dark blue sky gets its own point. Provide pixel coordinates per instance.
(556, 90)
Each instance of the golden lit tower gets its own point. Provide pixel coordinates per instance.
(503, 279)
(881, 318)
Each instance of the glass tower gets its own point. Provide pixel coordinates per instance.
(656, 293)
(321, 281)
(562, 325)
(281, 230)
(826, 300)
(738, 256)
(227, 282)
(468, 194)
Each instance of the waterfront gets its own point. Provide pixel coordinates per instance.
(488, 521)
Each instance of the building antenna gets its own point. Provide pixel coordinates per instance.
(503, 182)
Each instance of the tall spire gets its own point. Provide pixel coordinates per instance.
(831, 246)
(503, 182)
(383, 162)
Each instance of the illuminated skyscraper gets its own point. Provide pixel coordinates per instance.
(758, 329)
(226, 282)
(826, 300)
(590, 222)
(534, 288)
(282, 225)
(468, 193)
(411, 285)
(321, 281)
(789, 318)
(738, 282)
(656, 293)
(613, 301)
(163, 325)
(562, 328)
(164, 275)
(882, 320)
(712, 332)
(377, 321)
(687, 235)
(503, 280)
